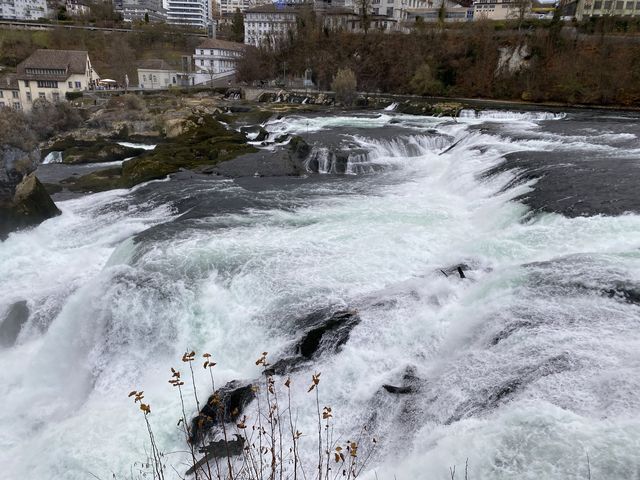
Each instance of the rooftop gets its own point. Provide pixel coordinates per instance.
(155, 64)
(75, 61)
(222, 44)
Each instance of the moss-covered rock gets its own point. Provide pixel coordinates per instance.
(91, 151)
(205, 142)
(30, 206)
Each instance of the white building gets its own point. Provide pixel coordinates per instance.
(9, 92)
(195, 13)
(396, 9)
(581, 9)
(51, 74)
(218, 58)
(268, 24)
(436, 11)
(156, 74)
(23, 9)
(230, 6)
(136, 10)
(500, 9)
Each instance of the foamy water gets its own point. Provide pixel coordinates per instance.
(525, 368)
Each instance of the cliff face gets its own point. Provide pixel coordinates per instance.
(24, 202)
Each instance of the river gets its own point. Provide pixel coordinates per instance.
(528, 368)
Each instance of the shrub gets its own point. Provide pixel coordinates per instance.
(48, 119)
(344, 85)
(424, 82)
(15, 130)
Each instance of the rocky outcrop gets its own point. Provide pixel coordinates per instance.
(97, 150)
(24, 202)
(204, 142)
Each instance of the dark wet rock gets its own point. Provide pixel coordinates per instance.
(225, 405)
(624, 293)
(264, 164)
(260, 133)
(410, 383)
(588, 185)
(219, 449)
(13, 321)
(299, 147)
(282, 138)
(323, 332)
(30, 206)
(456, 270)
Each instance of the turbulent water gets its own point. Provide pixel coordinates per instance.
(529, 368)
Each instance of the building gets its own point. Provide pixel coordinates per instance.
(501, 9)
(141, 10)
(396, 9)
(51, 74)
(76, 8)
(218, 58)
(194, 13)
(266, 25)
(447, 12)
(156, 74)
(600, 8)
(9, 91)
(23, 9)
(230, 6)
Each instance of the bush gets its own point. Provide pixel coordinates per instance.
(424, 82)
(15, 130)
(344, 85)
(48, 119)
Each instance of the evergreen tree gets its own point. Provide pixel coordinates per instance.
(237, 27)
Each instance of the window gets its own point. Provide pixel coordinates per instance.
(47, 84)
(26, 83)
(15, 94)
(29, 97)
(1, 104)
(41, 95)
(17, 106)
(389, 11)
(619, 5)
(597, 5)
(629, 5)
(70, 84)
(1, 94)
(55, 96)
(608, 4)
(144, 78)
(78, 85)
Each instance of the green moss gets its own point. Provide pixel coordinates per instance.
(207, 142)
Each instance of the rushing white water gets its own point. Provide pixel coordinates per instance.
(52, 157)
(144, 146)
(520, 373)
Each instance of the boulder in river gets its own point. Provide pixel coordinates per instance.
(29, 206)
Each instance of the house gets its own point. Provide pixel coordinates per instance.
(600, 8)
(501, 9)
(23, 9)
(217, 58)
(230, 6)
(156, 74)
(9, 91)
(268, 24)
(51, 74)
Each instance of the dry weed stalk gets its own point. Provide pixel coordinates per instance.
(268, 451)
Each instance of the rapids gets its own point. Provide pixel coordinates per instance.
(524, 370)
